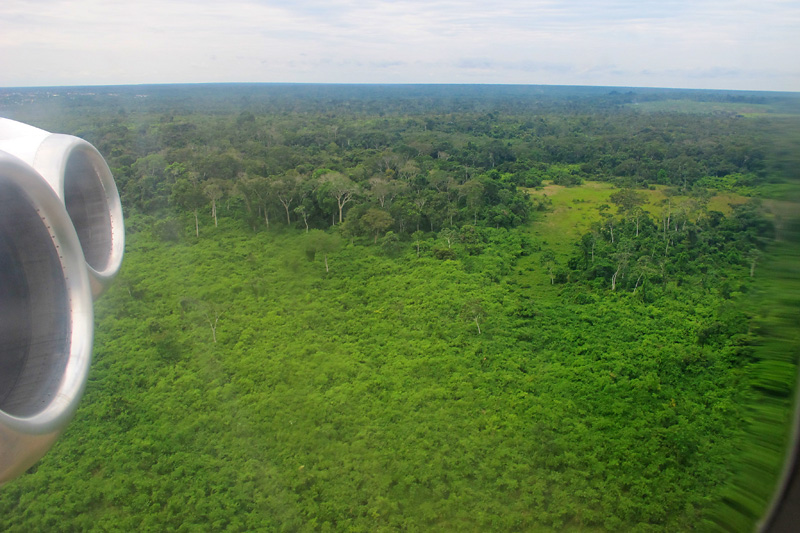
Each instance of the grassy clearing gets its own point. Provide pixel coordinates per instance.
(573, 211)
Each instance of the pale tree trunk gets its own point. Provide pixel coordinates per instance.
(637, 283)
(614, 278)
(214, 211)
(196, 224)
(342, 201)
(214, 330)
(326, 262)
(669, 218)
(213, 324)
(286, 207)
(478, 325)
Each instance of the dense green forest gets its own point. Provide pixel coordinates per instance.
(452, 308)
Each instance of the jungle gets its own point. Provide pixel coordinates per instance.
(432, 308)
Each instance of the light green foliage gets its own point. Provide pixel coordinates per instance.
(390, 393)
(549, 262)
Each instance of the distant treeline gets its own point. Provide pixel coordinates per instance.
(372, 99)
(405, 157)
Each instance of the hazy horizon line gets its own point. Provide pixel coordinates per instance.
(395, 84)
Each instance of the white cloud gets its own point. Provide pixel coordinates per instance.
(509, 41)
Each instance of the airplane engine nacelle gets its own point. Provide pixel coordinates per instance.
(61, 243)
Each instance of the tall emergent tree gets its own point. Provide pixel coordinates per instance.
(214, 190)
(340, 187)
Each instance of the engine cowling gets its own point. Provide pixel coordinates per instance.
(82, 180)
(61, 244)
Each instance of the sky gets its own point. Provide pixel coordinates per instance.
(703, 44)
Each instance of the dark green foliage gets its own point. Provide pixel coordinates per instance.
(168, 230)
(440, 252)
